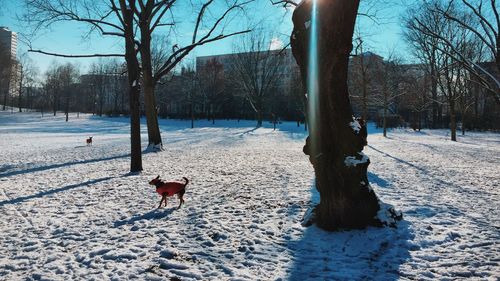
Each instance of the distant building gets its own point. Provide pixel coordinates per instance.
(288, 70)
(8, 42)
(9, 68)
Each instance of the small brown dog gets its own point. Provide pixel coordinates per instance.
(89, 141)
(167, 189)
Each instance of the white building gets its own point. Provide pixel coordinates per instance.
(9, 68)
(8, 41)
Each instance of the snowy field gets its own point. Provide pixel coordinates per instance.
(72, 212)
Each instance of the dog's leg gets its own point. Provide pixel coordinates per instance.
(163, 198)
(181, 200)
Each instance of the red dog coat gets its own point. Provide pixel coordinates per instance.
(170, 188)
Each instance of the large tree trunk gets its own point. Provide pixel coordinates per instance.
(154, 135)
(134, 90)
(259, 118)
(20, 97)
(66, 105)
(384, 121)
(335, 140)
(5, 97)
(1, 90)
(453, 121)
(435, 105)
(55, 95)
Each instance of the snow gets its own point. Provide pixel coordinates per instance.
(72, 212)
(355, 126)
(352, 161)
(307, 24)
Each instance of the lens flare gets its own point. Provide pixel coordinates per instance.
(312, 79)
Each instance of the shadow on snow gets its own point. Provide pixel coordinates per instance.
(52, 191)
(60, 165)
(151, 215)
(368, 254)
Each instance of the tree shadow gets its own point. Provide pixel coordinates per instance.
(368, 254)
(52, 191)
(423, 170)
(154, 214)
(242, 134)
(400, 160)
(374, 178)
(56, 166)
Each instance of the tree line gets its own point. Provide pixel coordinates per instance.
(441, 87)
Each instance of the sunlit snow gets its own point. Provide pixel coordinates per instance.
(73, 212)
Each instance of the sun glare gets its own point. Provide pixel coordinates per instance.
(312, 79)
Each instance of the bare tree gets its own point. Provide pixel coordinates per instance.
(476, 20)
(53, 86)
(360, 74)
(211, 78)
(28, 73)
(425, 49)
(68, 76)
(416, 88)
(389, 75)
(153, 15)
(97, 80)
(110, 18)
(448, 40)
(136, 22)
(255, 70)
(335, 139)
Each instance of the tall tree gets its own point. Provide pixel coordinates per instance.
(68, 75)
(321, 43)
(211, 78)
(424, 48)
(475, 20)
(389, 76)
(148, 16)
(360, 74)
(449, 39)
(155, 14)
(110, 18)
(485, 25)
(256, 69)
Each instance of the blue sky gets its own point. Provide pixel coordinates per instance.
(381, 36)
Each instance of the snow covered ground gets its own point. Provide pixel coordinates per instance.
(72, 212)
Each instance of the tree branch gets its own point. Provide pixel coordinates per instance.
(75, 56)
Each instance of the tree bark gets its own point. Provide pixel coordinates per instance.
(55, 95)
(453, 121)
(1, 89)
(259, 118)
(134, 90)
(384, 122)
(20, 90)
(334, 145)
(66, 104)
(154, 136)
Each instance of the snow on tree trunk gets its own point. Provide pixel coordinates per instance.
(336, 140)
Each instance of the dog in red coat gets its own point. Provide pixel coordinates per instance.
(170, 188)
